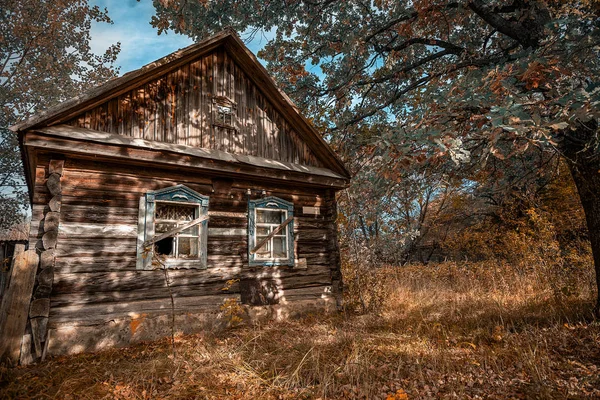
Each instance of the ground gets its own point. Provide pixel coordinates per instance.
(448, 331)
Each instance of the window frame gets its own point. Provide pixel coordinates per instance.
(270, 203)
(178, 194)
(224, 101)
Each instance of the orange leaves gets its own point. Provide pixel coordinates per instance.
(399, 395)
(294, 72)
(534, 76)
(538, 74)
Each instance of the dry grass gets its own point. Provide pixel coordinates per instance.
(445, 331)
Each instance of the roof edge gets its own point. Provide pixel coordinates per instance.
(91, 98)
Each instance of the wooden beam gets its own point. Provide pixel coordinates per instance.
(175, 231)
(15, 305)
(275, 232)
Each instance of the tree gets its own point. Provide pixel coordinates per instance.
(45, 57)
(472, 79)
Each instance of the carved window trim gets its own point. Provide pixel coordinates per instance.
(179, 194)
(270, 203)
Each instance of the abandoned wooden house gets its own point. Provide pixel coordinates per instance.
(193, 176)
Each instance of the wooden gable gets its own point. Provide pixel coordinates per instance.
(181, 107)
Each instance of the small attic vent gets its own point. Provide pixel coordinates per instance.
(224, 112)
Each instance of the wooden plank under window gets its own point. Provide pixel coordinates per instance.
(275, 232)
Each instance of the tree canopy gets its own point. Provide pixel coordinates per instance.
(467, 86)
(45, 57)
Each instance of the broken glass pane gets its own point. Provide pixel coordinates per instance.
(279, 249)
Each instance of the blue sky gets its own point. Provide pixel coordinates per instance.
(140, 43)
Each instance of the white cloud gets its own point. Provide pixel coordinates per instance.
(140, 43)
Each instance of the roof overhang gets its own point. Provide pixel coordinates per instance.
(86, 143)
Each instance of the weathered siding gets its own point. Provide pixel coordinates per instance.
(178, 108)
(95, 277)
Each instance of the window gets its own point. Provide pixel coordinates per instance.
(224, 112)
(169, 215)
(173, 225)
(270, 232)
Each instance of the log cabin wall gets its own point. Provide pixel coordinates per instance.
(98, 297)
(180, 108)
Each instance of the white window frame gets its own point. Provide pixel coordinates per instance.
(271, 228)
(178, 194)
(270, 203)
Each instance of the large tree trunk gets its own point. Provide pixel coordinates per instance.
(580, 148)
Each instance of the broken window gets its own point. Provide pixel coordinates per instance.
(173, 224)
(271, 232)
(224, 112)
(170, 215)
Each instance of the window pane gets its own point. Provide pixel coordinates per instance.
(164, 247)
(175, 212)
(263, 230)
(191, 231)
(279, 247)
(269, 216)
(265, 251)
(188, 247)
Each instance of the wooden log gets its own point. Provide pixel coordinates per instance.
(51, 221)
(107, 312)
(15, 305)
(84, 230)
(46, 276)
(53, 184)
(42, 291)
(116, 262)
(55, 203)
(56, 167)
(110, 298)
(47, 258)
(49, 240)
(125, 262)
(134, 281)
(39, 308)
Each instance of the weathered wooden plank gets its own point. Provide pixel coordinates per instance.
(117, 262)
(301, 294)
(194, 108)
(227, 232)
(112, 310)
(26, 356)
(98, 214)
(85, 230)
(93, 296)
(139, 282)
(15, 305)
(87, 298)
